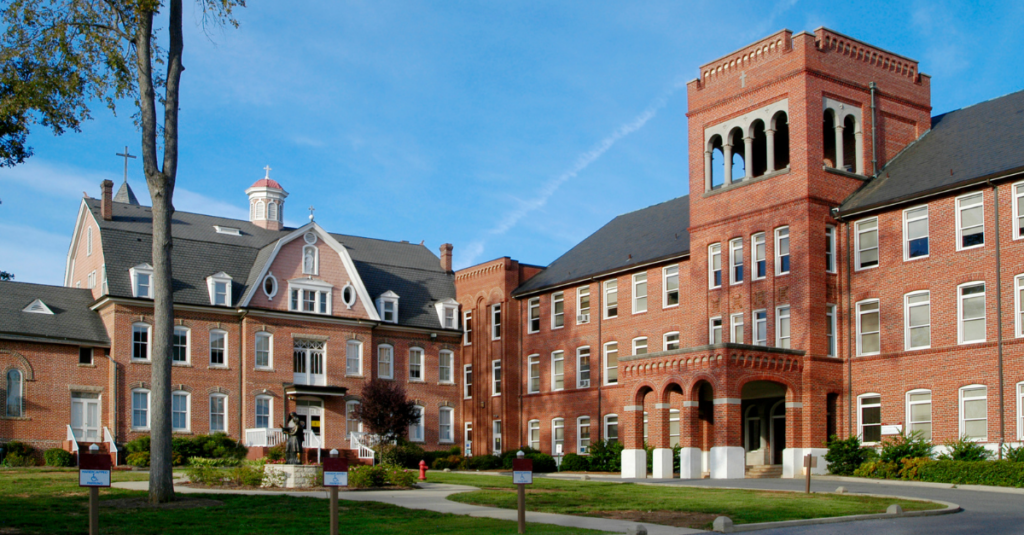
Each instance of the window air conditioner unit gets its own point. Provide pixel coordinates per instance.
(583, 318)
(584, 383)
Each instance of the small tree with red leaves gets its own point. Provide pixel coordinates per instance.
(385, 411)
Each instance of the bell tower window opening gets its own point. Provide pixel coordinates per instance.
(850, 144)
(714, 164)
(736, 152)
(777, 137)
(758, 142)
(828, 138)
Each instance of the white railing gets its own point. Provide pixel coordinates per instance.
(363, 443)
(74, 442)
(263, 437)
(109, 439)
(313, 441)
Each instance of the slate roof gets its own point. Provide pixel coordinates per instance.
(72, 322)
(410, 270)
(644, 236)
(963, 147)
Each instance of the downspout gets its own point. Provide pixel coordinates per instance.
(999, 326)
(519, 313)
(241, 368)
(849, 312)
(600, 360)
(874, 139)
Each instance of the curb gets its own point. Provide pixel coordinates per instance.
(924, 484)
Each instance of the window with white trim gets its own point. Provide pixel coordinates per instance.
(309, 296)
(218, 348)
(760, 331)
(915, 233)
(264, 350)
(715, 330)
(736, 328)
(974, 412)
(415, 364)
(496, 437)
(640, 345)
(781, 251)
(1018, 211)
(671, 341)
(715, 265)
(557, 436)
(496, 377)
(496, 322)
(533, 309)
(639, 293)
(387, 307)
(445, 364)
(1018, 297)
(583, 367)
(917, 311)
(869, 420)
(88, 241)
(919, 413)
(467, 381)
(385, 361)
(467, 328)
(582, 435)
(219, 288)
(970, 221)
(533, 427)
(670, 285)
(352, 424)
(831, 328)
(354, 358)
(735, 260)
(611, 427)
(1020, 411)
(533, 370)
(611, 299)
(782, 327)
(15, 393)
(557, 310)
(451, 314)
(180, 351)
(757, 248)
(582, 305)
(264, 412)
(142, 280)
(558, 370)
(865, 246)
(611, 363)
(830, 249)
(971, 313)
(218, 413)
(869, 337)
(140, 409)
(140, 341)
(179, 411)
(416, 428)
(90, 281)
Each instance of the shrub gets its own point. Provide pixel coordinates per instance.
(964, 449)
(366, 477)
(1013, 454)
(878, 470)
(216, 463)
(483, 462)
(675, 459)
(205, 475)
(605, 456)
(997, 473)
(431, 456)
(408, 455)
(19, 448)
(904, 446)
(845, 455)
(58, 457)
(911, 468)
(249, 474)
(138, 445)
(542, 463)
(219, 445)
(400, 477)
(276, 453)
(574, 463)
(137, 459)
(18, 460)
(452, 462)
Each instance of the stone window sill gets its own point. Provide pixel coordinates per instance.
(140, 361)
(16, 418)
(219, 367)
(263, 369)
(80, 365)
(733, 185)
(417, 381)
(355, 376)
(181, 365)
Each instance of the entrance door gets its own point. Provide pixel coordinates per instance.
(311, 412)
(778, 431)
(85, 416)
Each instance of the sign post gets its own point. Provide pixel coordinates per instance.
(522, 475)
(335, 475)
(810, 461)
(94, 472)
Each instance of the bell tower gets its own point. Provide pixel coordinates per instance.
(266, 203)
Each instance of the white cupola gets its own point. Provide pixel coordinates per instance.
(266, 203)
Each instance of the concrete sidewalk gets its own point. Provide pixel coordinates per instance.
(433, 497)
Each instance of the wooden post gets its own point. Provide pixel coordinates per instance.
(94, 472)
(335, 472)
(94, 511)
(522, 475)
(522, 508)
(809, 462)
(334, 510)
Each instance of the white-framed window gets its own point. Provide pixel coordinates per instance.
(611, 363)
(673, 428)
(869, 336)
(557, 436)
(15, 393)
(971, 313)
(583, 367)
(180, 402)
(1018, 297)
(415, 364)
(582, 305)
(264, 350)
(352, 424)
(611, 299)
(219, 288)
(387, 307)
(88, 241)
(142, 280)
(919, 413)
(736, 328)
(1018, 211)
(416, 428)
(782, 327)
(869, 418)
(264, 411)
(270, 286)
(970, 221)
(140, 409)
(917, 311)
(557, 310)
(180, 346)
(915, 233)
(583, 435)
(830, 249)
(735, 260)
(831, 328)
(272, 211)
(639, 293)
(354, 358)
(218, 413)
(558, 370)
(140, 341)
(467, 328)
(533, 427)
(496, 437)
(445, 364)
(90, 281)
(866, 244)
(533, 371)
(310, 296)
(974, 412)
(715, 265)
(533, 309)
(496, 377)
(671, 341)
(451, 315)
(496, 322)
(781, 251)
(715, 330)
(760, 331)
(611, 427)
(1020, 411)
(385, 361)
(467, 381)
(757, 249)
(670, 286)
(218, 348)
(467, 438)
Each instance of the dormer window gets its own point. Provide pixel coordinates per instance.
(142, 280)
(448, 313)
(231, 231)
(219, 286)
(309, 296)
(387, 307)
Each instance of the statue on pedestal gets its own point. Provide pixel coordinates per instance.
(295, 430)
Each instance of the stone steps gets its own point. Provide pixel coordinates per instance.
(766, 471)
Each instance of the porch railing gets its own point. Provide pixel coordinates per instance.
(109, 439)
(263, 437)
(313, 441)
(362, 442)
(74, 442)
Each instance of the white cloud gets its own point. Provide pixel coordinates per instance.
(33, 255)
(189, 201)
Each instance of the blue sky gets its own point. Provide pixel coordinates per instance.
(506, 128)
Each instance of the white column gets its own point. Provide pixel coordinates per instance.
(859, 164)
(727, 152)
(662, 463)
(770, 134)
(748, 158)
(690, 463)
(707, 170)
(839, 146)
(634, 464)
(728, 462)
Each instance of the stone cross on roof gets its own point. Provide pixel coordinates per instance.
(267, 168)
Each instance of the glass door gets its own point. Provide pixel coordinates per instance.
(312, 414)
(85, 416)
(309, 363)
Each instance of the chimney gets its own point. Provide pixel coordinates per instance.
(106, 202)
(446, 257)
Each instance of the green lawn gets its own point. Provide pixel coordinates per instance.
(50, 501)
(743, 506)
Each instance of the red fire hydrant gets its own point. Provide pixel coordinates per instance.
(423, 470)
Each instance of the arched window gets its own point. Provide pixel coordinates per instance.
(737, 166)
(557, 436)
(259, 209)
(352, 424)
(140, 409)
(264, 411)
(714, 164)
(611, 427)
(15, 393)
(416, 428)
(534, 434)
(180, 404)
(850, 156)
(385, 361)
(919, 413)
(445, 420)
(778, 142)
(272, 211)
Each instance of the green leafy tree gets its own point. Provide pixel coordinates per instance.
(5, 276)
(58, 58)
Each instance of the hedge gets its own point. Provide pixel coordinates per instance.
(996, 473)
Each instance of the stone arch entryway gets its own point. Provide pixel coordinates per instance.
(764, 422)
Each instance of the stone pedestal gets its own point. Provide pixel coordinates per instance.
(690, 463)
(727, 462)
(793, 462)
(634, 464)
(662, 463)
(290, 476)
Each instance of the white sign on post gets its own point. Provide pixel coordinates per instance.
(335, 479)
(94, 478)
(522, 478)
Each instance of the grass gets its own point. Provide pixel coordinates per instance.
(742, 506)
(50, 501)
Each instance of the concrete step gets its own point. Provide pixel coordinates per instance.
(767, 471)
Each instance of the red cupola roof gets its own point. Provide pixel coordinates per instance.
(266, 183)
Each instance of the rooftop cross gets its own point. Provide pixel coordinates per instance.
(267, 168)
(126, 155)
(311, 210)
